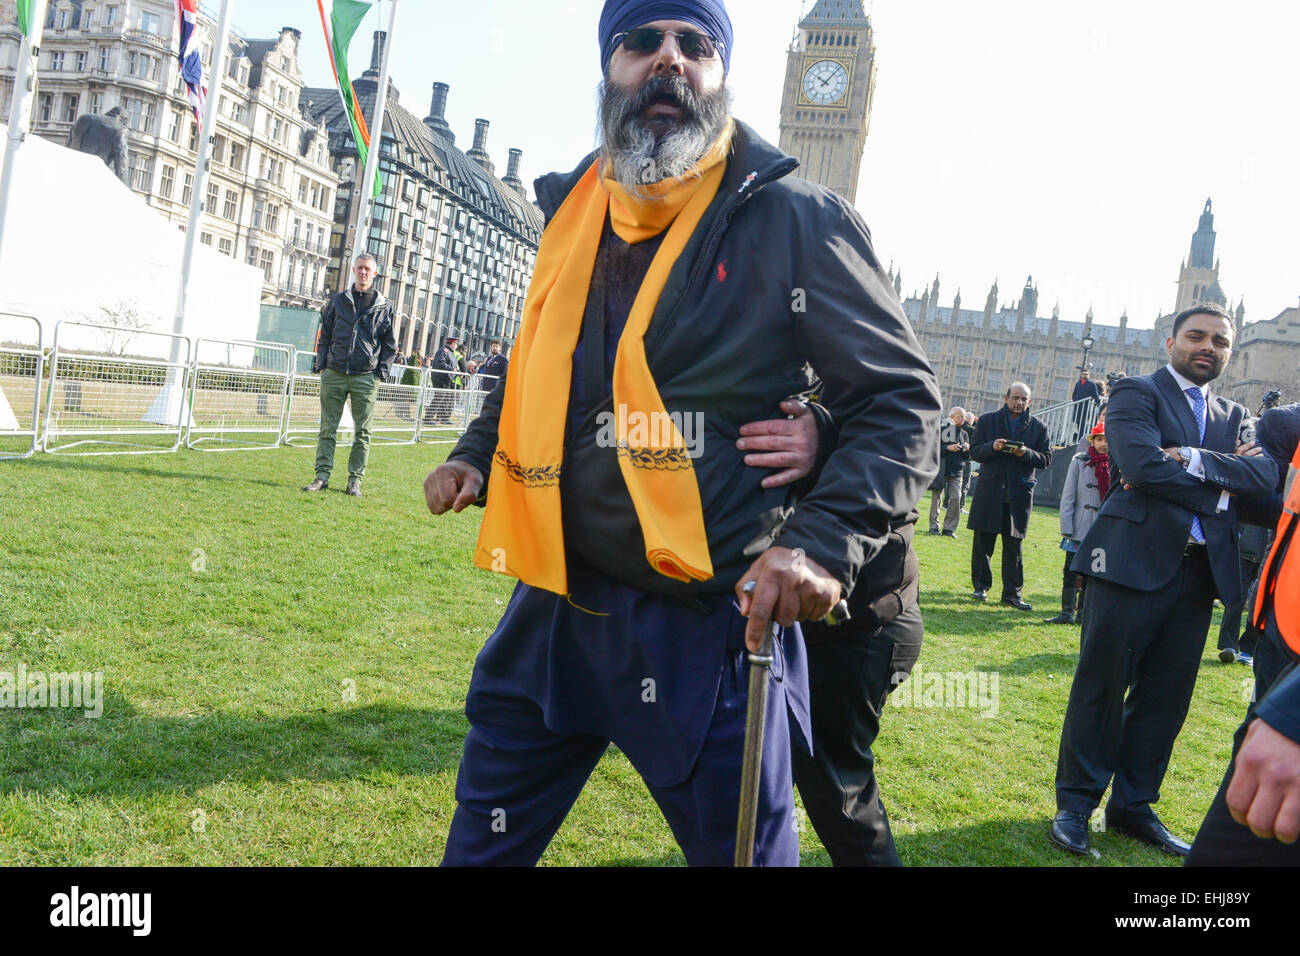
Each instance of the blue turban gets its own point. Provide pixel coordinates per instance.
(622, 15)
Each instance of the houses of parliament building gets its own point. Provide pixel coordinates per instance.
(977, 353)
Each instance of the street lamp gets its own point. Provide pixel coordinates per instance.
(1088, 343)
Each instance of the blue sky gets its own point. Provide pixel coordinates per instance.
(1074, 142)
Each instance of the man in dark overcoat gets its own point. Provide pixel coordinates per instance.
(1010, 445)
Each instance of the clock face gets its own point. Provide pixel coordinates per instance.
(825, 82)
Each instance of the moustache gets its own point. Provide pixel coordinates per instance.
(673, 90)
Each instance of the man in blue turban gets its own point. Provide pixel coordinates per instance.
(664, 282)
(619, 17)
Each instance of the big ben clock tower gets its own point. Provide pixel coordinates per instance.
(830, 79)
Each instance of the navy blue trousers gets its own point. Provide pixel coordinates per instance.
(666, 683)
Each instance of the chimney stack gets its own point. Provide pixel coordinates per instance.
(511, 177)
(377, 51)
(437, 118)
(478, 152)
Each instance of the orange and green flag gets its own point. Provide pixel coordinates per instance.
(344, 18)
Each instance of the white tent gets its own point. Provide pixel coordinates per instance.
(78, 239)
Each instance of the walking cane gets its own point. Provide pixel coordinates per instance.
(760, 665)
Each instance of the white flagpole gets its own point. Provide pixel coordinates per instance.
(20, 107)
(366, 204)
(206, 131)
(168, 407)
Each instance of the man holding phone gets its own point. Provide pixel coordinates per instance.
(1010, 446)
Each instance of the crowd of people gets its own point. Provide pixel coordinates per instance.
(657, 579)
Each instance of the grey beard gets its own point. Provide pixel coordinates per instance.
(636, 153)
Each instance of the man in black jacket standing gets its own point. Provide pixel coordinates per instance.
(1084, 388)
(1010, 446)
(354, 352)
(954, 452)
(727, 285)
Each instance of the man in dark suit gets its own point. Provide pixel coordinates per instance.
(1010, 445)
(1164, 545)
(494, 365)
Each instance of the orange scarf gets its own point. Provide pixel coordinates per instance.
(522, 532)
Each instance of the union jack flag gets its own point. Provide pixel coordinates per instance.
(187, 12)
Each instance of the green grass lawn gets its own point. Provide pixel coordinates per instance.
(284, 681)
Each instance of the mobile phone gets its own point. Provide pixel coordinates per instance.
(1011, 445)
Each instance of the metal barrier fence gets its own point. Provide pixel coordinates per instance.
(302, 417)
(22, 357)
(100, 399)
(1067, 422)
(448, 411)
(398, 408)
(239, 393)
(404, 414)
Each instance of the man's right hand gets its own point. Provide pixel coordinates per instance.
(453, 486)
(1264, 793)
(999, 444)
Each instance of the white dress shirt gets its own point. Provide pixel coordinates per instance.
(1196, 467)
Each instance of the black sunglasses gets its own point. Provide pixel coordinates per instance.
(696, 46)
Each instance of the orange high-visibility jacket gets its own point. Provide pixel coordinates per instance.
(1279, 582)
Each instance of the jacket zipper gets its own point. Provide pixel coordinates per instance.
(353, 347)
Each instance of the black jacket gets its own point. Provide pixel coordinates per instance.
(952, 463)
(1140, 535)
(444, 361)
(353, 345)
(1088, 389)
(1002, 472)
(777, 287)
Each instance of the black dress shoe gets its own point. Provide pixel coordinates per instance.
(1227, 656)
(1151, 832)
(980, 595)
(1070, 831)
(950, 534)
(317, 485)
(354, 487)
(1018, 604)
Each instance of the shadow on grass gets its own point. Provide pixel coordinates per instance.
(73, 463)
(1037, 664)
(1019, 843)
(123, 753)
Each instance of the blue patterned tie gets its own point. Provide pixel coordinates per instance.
(1198, 409)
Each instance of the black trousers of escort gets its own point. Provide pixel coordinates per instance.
(850, 674)
(1222, 841)
(981, 554)
(1147, 644)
